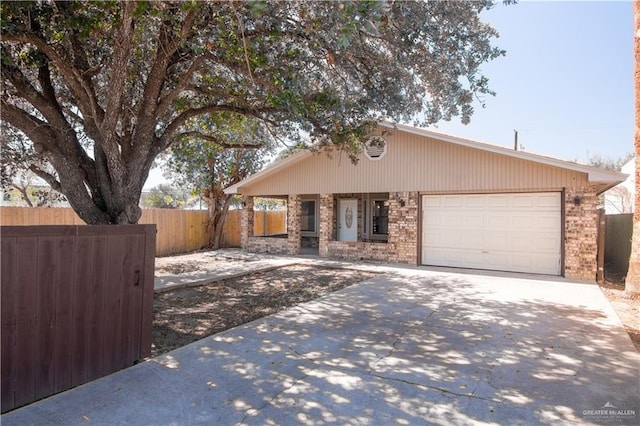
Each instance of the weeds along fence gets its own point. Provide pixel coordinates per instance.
(179, 231)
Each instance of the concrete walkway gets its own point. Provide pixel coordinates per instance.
(217, 265)
(414, 346)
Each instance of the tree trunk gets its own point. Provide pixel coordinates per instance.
(632, 283)
(217, 236)
(218, 209)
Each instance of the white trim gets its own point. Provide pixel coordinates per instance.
(273, 167)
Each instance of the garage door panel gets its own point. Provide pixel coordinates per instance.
(546, 244)
(476, 202)
(452, 201)
(511, 232)
(546, 221)
(496, 221)
(495, 201)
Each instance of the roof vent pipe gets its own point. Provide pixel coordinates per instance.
(515, 140)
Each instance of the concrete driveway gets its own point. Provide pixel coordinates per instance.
(413, 347)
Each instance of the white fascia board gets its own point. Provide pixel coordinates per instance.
(595, 175)
(272, 168)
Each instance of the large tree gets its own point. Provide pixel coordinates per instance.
(102, 88)
(206, 167)
(632, 282)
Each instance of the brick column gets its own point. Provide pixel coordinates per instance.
(246, 221)
(326, 223)
(403, 227)
(581, 233)
(294, 205)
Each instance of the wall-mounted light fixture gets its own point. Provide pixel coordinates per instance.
(402, 202)
(577, 200)
(243, 204)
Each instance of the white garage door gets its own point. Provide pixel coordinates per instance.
(504, 232)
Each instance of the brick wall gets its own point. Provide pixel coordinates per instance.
(361, 250)
(403, 227)
(294, 207)
(327, 223)
(246, 222)
(401, 245)
(581, 233)
(580, 239)
(277, 244)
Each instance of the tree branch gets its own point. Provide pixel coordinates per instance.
(216, 141)
(168, 43)
(47, 177)
(38, 131)
(166, 102)
(81, 90)
(173, 127)
(47, 105)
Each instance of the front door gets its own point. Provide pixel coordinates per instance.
(347, 220)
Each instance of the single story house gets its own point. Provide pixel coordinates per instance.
(424, 198)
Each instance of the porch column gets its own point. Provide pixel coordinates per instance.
(326, 223)
(246, 221)
(403, 227)
(581, 233)
(294, 206)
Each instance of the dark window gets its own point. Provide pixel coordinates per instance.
(308, 216)
(380, 220)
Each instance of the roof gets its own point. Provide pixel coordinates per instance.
(606, 178)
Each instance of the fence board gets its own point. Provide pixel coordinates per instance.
(62, 326)
(269, 222)
(178, 231)
(619, 228)
(8, 314)
(45, 316)
(82, 320)
(231, 231)
(77, 304)
(100, 288)
(25, 324)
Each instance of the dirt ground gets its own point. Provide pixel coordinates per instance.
(627, 307)
(185, 315)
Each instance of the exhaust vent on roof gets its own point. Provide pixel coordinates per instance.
(375, 147)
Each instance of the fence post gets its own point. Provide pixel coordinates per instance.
(602, 226)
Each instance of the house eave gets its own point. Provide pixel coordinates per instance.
(605, 179)
(595, 175)
(272, 168)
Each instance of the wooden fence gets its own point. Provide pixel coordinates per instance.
(619, 228)
(179, 231)
(269, 223)
(76, 305)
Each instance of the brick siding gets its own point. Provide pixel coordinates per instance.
(581, 233)
(580, 236)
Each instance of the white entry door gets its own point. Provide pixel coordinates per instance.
(505, 232)
(347, 220)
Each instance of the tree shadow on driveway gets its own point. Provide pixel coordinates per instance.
(437, 349)
(417, 347)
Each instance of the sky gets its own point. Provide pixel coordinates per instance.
(565, 83)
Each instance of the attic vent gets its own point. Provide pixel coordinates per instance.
(375, 148)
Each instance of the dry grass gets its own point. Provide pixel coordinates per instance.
(185, 315)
